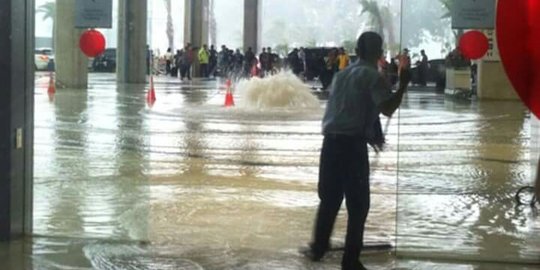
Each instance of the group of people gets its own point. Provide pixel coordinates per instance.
(230, 63)
(225, 63)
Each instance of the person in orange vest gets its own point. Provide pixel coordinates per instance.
(343, 59)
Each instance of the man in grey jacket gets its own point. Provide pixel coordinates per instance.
(358, 94)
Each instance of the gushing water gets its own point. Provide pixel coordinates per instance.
(283, 90)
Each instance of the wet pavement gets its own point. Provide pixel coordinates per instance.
(207, 187)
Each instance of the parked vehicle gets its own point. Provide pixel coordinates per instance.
(436, 73)
(105, 62)
(44, 59)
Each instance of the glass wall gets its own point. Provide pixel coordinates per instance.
(190, 175)
(462, 156)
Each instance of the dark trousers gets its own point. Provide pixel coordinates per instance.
(168, 67)
(343, 172)
(185, 70)
(204, 70)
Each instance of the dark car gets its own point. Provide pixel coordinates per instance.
(105, 62)
(436, 73)
(315, 61)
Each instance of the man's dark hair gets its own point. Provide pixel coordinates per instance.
(369, 46)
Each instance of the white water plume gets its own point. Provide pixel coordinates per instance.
(283, 90)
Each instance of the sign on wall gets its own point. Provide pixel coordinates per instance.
(473, 14)
(93, 13)
(493, 52)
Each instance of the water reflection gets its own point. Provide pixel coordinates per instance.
(460, 166)
(228, 188)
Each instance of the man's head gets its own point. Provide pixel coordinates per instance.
(264, 49)
(269, 49)
(369, 47)
(406, 51)
(205, 46)
(423, 52)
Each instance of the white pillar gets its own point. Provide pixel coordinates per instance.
(70, 63)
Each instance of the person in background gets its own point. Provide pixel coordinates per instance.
(404, 61)
(330, 68)
(264, 59)
(175, 64)
(212, 65)
(423, 69)
(168, 61)
(238, 62)
(190, 56)
(204, 59)
(293, 62)
(343, 59)
(351, 121)
(249, 56)
(272, 60)
(393, 72)
(223, 60)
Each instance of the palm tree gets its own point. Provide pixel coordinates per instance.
(449, 6)
(49, 12)
(371, 8)
(381, 20)
(170, 27)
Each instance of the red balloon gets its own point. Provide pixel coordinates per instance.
(92, 43)
(518, 37)
(473, 45)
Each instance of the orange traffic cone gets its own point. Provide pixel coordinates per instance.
(151, 95)
(52, 88)
(229, 100)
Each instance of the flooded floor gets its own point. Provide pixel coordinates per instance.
(189, 184)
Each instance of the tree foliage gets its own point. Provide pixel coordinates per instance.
(48, 10)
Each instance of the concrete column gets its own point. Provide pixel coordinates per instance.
(252, 22)
(196, 22)
(493, 82)
(196, 28)
(131, 55)
(70, 63)
(16, 117)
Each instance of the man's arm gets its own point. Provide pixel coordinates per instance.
(388, 107)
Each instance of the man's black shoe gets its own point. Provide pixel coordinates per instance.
(310, 253)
